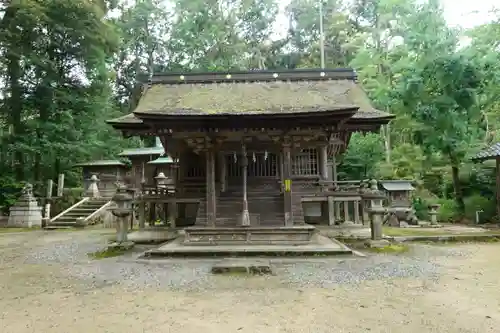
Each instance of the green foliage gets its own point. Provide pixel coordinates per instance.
(448, 211)
(407, 162)
(9, 193)
(67, 66)
(486, 206)
(360, 160)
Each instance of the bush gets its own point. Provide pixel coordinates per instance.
(448, 211)
(9, 193)
(477, 203)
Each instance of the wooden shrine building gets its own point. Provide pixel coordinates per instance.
(250, 144)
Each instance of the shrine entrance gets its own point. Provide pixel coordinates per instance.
(260, 165)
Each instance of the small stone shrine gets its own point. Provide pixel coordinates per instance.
(25, 212)
(401, 212)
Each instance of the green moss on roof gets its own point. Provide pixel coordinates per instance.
(142, 151)
(127, 119)
(162, 160)
(101, 163)
(254, 98)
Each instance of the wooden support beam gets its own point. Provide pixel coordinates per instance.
(211, 193)
(287, 175)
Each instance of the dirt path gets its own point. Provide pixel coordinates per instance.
(38, 297)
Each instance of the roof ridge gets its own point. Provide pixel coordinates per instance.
(249, 76)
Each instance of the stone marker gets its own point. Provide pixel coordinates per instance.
(60, 185)
(25, 212)
(253, 267)
(50, 186)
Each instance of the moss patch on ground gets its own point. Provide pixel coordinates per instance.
(390, 249)
(395, 232)
(108, 253)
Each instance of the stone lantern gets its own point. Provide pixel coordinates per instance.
(433, 212)
(123, 199)
(161, 181)
(377, 212)
(93, 189)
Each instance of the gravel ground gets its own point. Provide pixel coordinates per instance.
(48, 284)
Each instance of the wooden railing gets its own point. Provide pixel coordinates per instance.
(342, 185)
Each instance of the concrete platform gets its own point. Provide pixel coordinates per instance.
(152, 235)
(235, 266)
(319, 246)
(235, 236)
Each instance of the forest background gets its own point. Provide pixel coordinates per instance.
(67, 66)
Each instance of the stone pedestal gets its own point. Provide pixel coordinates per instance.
(25, 213)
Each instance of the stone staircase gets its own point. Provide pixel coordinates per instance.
(71, 217)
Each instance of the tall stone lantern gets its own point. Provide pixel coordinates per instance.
(376, 212)
(123, 200)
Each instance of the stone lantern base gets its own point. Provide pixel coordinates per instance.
(121, 246)
(377, 243)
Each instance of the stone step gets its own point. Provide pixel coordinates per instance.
(57, 227)
(63, 223)
(81, 211)
(93, 206)
(66, 220)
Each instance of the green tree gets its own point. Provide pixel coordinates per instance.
(441, 95)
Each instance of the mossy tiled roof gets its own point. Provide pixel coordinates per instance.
(252, 93)
(101, 163)
(142, 151)
(253, 98)
(162, 160)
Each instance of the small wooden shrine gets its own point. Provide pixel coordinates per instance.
(492, 152)
(141, 172)
(398, 192)
(107, 171)
(252, 146)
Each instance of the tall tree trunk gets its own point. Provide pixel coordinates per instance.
(459, 198)
(14, 102)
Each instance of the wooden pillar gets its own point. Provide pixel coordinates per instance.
(222, 173)
(281, 161)
(152, 213)
(143, 173)
(498, 185)
(346, 211)
(356, 212)
(211, 195)
(172, 213)
(331, 211)
(337, 210)
(323, 161)
(287, 175)
(334, 170)
(245, 216)
(142, 215)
